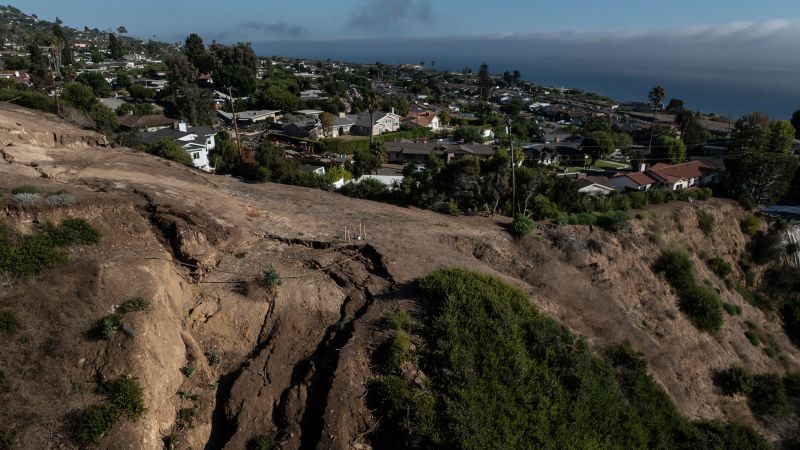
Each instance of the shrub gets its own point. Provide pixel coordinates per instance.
(137, 304)
(701, 304)
(768, 397)
(170, 441)
(392, 353)
(704, 308)
(186, 415)
(750, 324)
(60, 199)
(94, 422)
(452, 208)
(638, 199)
(706, 222)
(72, 232)
(544, 208)
(733, 310)
(8, 323)
(615, 221)
(107, 327)
(263, 442)
(214, 358)
(735, 380)
(270, 278)
(126, 395)
(643, 215)
(747, 202)
(752, 337)
(522, 225)
(751, 225)
(719, 266)
(26, 189)
(704, 193)
(25, 198)
(188, 370)
(399, 320)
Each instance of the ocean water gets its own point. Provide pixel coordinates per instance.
(727, 87)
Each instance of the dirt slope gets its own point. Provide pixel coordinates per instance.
(294, 357)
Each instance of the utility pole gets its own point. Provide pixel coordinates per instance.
(236, 126)
(513, 168)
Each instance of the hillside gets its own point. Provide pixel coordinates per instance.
(223, 358)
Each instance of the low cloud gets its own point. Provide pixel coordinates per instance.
(254, 30)
(391, 15)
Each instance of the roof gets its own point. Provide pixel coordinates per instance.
(639, 178)
(685, 171)
(475, 149)
(249, 115)
(362, 119)
(343, 121)
(154, 120)
(201, 134)
(592, 180)
(421, 119)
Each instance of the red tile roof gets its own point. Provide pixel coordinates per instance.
(685, 171)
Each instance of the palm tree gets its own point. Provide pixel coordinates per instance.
(373, 103)
(656, 97)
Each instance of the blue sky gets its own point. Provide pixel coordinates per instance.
(267, 20)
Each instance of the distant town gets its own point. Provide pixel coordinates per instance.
(463, 142)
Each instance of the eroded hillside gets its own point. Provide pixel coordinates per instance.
(223, 359)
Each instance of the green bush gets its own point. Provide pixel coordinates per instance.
(522, 225)
(214, 358)
(60, 199)
(504, 376)
(701, 304)
(719, 266)
(26, 189)
(72, 232)
(94, 422)
(188, 370)
(270, 277)
(643, 215)
(615, 221)
(8, 323)
(393, 353)
(706, 222)
(452, 208)
(768, 398)
(137, 304)
(735, 380)
(263, 442)
(126, 395)
(107, 327)
(753, 338)
(733, 310)
(751, 225)
(399, 320)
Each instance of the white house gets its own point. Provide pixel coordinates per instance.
(682, 176)
(383, 122)
(595, 186)
(635, 181)
(197, 142)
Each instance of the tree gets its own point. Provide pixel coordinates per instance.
(485, 84)
(105, 120)
(196, 51)
(781, 135)
(40, 73)
(365, 162)
(79, 95)
(180, 70)
(276, 97)
(596, 123)
(97, 82)
(669, 148)
(115, 47)
(122, 30)
(327, 120)
(598, 144)
(239, 78)
(468, 134)
(187, 101)
(750, 133)
(373, 103)
(692, 133)
(513, 108)
(796, 123)
(623, 142)
(675, 106)
(765, 176)
(168, 149)
(517, 77)
(140, 92)
(656, 97)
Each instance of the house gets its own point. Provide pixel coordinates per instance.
(479, 151)
(426, 119)
(310, 168)
(383, 122)
(250, 117)
(544, 154)
(682, 176)
(303, 128)
(342, 125)
(197, 142)
(147, 123)
(569, 155)
(20, 76)
(634, 181)
(411, 152)
(595, 186)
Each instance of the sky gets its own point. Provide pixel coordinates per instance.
(732, 56)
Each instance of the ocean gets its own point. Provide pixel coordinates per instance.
(729, 88)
